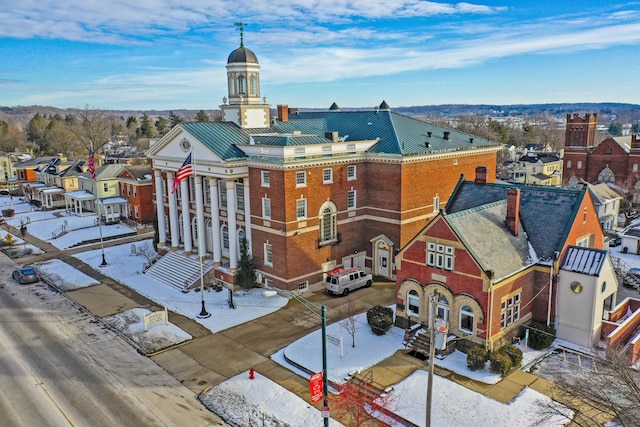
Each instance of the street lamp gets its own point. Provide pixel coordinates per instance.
(321, 312)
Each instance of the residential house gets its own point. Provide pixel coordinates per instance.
(310, 190)
(537, 168)
(493, 256)
(100, 195)
(136, 185)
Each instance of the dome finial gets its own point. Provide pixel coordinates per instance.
(240, 26)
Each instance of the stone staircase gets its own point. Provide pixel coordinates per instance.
(417, 340)
(177, 270)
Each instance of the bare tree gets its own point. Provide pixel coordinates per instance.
(610, 390)
(91, 129)
(347, 313)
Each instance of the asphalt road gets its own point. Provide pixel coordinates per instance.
(60, 367)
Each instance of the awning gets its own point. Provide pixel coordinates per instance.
(80, 195)
(52, 190)
(113, 200)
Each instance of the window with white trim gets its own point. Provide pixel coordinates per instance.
(351, 173)
(328, 232)
(568, 164)
(266, 208)
(299, 150)
(265, 177)
(206, 186)
(351, 199)
(436, 204)
(222, 185)
(135, 192)
(440, 256)
(579, 164)
(105, 186)
(413, 303)
(225, 238)
(239, 196)
(268, 254)
(467, 319)
(327, 176)
(301, 179)
(510, 311)
(301, 208)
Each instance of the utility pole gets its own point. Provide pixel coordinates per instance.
(433, 299)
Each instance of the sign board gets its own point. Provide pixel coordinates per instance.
(155, 317)
(315, 387)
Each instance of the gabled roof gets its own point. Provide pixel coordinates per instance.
(397, 134)
(488, 240)
(601, 193)
(546, 213)
(105, 172)
(138, 172)
(583, 260)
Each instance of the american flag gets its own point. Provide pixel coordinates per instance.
(92, 165)
(185, 171)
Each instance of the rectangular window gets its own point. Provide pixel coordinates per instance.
(299, 150)
(136, 209)
(123, 192)
(135, 192)
(206, 187)
(301, 179)
(326, 148)
(223, 194)
(266, 178)
(266, 208)
(436, 204)
(105, 186)
(579, 164)
(351, 199)
(351, 173)
(301, 208)
(635, 168)
(510, 311)
(327, 176)
(440, 256)
(268, 254)
(128, 190)
(240, 196)
(568, 164)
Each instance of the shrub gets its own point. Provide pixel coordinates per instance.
(380, 319)
(514, 353)
(476, 358)
(541, 336)
(500, 363)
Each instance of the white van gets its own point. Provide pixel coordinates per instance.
(340, 281)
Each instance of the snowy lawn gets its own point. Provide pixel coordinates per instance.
(157, 336)
(63, 276)
(127, 269)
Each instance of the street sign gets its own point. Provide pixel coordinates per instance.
(315, 386)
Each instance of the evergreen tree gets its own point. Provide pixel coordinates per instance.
(162, 125)
(175, 118)
(146, 127)
(202, 117)
(245, 276)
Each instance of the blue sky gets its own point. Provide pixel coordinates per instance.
(159, 54)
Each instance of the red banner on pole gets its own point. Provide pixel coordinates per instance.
(315, 386)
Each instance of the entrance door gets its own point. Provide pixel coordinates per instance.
(382, 262)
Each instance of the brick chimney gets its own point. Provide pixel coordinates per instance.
(513, 210)
(283, 113)
(481, 175)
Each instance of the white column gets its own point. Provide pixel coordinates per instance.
(173, 212)
(202, 238)
(215, 221)
(247, 212)
(186, 216)
(162, 227)
(233, 232)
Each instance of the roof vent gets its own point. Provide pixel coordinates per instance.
(429, 134)
(427, 144)
(470, 140)
(446, 135)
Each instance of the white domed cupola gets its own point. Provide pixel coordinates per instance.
(245, 107)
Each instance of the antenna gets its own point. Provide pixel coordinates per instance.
(240, 26)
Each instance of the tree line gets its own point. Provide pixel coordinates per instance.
(74, 134)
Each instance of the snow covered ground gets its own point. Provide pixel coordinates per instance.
(261, 399)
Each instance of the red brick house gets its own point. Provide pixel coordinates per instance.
(136, 186)
(493, 257)
(310, 190)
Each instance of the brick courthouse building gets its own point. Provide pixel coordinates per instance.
(310, 191)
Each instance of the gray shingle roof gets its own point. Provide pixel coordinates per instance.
(492, 245)
(546, 213)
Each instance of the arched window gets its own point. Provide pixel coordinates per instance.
(328, 232)
(242, 85)
(225, 238)
(253, 85)
(467, 320)
(241, 235)
(413, 303)
(606, 175)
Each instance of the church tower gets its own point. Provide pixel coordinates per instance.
(244, 107)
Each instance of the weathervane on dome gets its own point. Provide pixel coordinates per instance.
(240, 26)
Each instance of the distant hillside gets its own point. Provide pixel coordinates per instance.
(607, 111)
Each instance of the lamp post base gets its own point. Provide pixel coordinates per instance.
(203, 313)
(104, 261)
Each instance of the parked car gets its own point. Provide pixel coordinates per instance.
(341, 281)
(26, 275)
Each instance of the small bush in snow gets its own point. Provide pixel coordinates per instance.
(476, 358)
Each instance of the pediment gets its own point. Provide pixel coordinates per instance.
(176, 146)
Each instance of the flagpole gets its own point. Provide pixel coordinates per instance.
(93, 175)
(203, 312)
